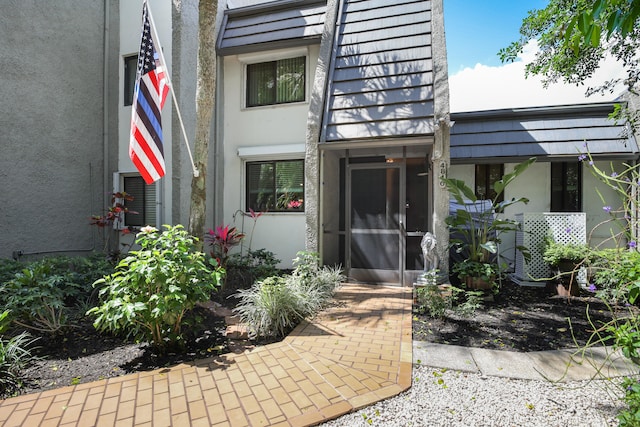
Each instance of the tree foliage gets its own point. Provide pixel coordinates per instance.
(575, 35)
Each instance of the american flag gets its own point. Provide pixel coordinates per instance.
(150, 92)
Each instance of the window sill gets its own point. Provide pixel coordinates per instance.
(274, 106)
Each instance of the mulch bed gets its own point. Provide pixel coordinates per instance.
(519, 319)
(81, 354)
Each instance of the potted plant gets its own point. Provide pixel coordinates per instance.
(476, 232)
(477, 275)
(565, 259)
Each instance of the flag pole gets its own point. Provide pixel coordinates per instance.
(156, 39)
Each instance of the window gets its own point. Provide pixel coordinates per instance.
(275, 186)
(486, 176)
(276, 82)
(130, 69)
(144, 202)
(566, 187)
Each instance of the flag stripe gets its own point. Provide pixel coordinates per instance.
(151, 89)
(148, 154)
(150, 117)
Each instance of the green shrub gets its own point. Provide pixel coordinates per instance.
(152, 288)
(273, 306)
(429, 300)
(630, 416)
(270, 308)
(15, 354)
(316, 284)
(8, 269)
(244, 270)
(43, 294)
(435, 302)
(554, 253)
(615, 273)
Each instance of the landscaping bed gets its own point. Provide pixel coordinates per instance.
(519, 319)
(80, 354)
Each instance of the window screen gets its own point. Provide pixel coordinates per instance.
(276, 82)
(275, 186)
(144, 202)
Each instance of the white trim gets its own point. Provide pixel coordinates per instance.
(273, 55)
(258, 153)
(272, 152)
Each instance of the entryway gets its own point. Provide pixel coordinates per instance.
(384, 210)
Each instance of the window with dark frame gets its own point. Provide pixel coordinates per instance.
(143, 203)
(130, 69)
(276, 82)
(486, 176)
(566, 187)
(275, 186)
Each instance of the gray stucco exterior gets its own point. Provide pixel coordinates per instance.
(56, 151)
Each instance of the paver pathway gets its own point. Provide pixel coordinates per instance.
(353, 354)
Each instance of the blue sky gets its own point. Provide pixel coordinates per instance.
(476, 30)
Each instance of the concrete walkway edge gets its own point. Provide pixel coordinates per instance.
(556, 366)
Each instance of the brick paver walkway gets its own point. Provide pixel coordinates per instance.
(353, 354)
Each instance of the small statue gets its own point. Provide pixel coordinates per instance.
(428, 245)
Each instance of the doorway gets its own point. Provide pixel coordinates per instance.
(385, 216)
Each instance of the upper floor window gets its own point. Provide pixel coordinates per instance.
(486, 176)
(276, 82)
(275, 186)
(130, 69)
(566, 187)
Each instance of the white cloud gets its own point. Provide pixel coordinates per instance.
(485, 88)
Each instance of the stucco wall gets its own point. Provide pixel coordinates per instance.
(535, 184)
(51, 124)
(281, 233)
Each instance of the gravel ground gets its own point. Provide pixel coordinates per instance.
(451, 398)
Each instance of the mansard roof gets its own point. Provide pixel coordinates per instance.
(546, 132)
(381, 72)
(272, 25)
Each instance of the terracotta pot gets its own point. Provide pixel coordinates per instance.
(570, 290)
(567, 282)
(445, 290)
(478, 283)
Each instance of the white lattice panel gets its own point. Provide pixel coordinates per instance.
(564, 227)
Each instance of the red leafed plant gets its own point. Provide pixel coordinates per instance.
(115, 214)
(222, 240)
(114, 217)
